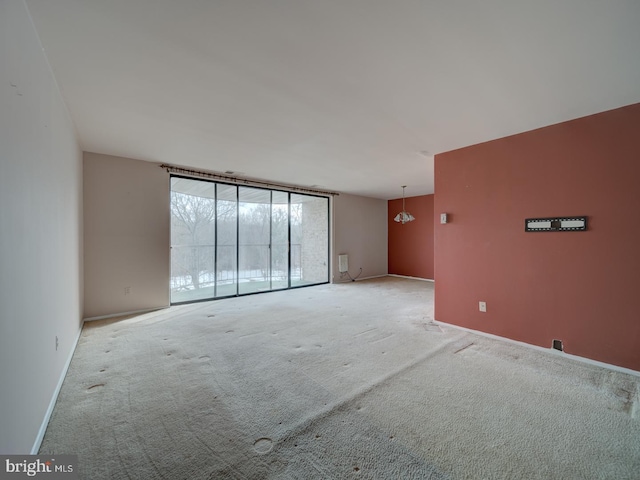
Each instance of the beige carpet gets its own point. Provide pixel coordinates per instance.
(336, 381)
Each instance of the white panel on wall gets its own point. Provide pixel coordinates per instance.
(343, 263)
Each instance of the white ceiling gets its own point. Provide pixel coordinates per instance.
(343, 94)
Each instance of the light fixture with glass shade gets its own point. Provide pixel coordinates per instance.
(404, 216)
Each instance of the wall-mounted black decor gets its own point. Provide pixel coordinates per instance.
(556, 224)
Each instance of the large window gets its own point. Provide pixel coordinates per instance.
(231, 240)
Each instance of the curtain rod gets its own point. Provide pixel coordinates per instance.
(242, 181)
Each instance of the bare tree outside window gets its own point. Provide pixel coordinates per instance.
(194, 218)
(193, 226)
(229, 240)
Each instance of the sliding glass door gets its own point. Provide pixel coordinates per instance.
(193, 232)
(279, 240)
(254, 240)
(226, 240)
(231, 240)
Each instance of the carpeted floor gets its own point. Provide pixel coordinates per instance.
(337, 381)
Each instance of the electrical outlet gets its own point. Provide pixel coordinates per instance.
(482, 306)
(57, 343)
(127, 290)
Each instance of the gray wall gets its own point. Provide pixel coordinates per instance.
(360, 230)
(127, 235)
(40, 233)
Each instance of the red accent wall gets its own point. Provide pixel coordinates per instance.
(582, 288)
(411, 244)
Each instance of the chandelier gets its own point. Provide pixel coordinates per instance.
(404, 216)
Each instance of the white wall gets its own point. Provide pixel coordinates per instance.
(40, 232)
(127, 235)
(360, 230)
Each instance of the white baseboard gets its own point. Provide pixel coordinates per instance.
(54, 397)
(372, 276)
(122, 314)
(385, 275)
(412, 278)
(347, 280)
(551, 351)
